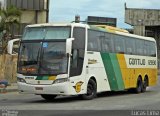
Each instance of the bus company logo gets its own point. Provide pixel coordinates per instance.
(38, 82)
(92, 61)
(78, 86)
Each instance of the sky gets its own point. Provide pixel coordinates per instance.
(65, 10)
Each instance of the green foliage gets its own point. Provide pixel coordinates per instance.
(8, 17)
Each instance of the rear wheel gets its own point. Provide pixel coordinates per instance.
(48, 97)
(139, 86)
(91, 90)
(145, 84)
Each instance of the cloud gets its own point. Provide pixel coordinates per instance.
(61, 11)
(64, 11)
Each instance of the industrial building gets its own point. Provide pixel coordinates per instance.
(145, 22)
(33, 11)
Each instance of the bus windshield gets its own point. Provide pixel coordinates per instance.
(43, 58)
(40, 33)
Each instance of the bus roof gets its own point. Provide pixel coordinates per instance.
(103, 28)
(136, 36)
(112, 29)
(58, 24)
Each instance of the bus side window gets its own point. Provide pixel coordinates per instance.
(129, 50)
(130, 45)
(140, 47)
(107, 45)
(119, 44)
(152, 49)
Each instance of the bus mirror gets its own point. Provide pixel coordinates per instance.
(13, 46)
(69, 45)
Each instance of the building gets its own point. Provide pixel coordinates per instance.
(33, 11)
(145, 22)
(93, 20)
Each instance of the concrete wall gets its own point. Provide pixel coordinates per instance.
(28, 4)
(147, 17)
(8, 68)
(29, 16)
(42, 17)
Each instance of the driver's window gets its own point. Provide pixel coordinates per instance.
(74, 58)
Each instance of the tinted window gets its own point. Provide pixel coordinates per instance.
(146, 48)
(77, 51)
(107, 43)
(39, 33)
(79, 35)
(130, 45)
(152, 49)
(95, 40)
(119, 44)
(139, 47)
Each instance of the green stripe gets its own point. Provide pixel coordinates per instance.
(45, 77)
(42, 77)
(113, 71)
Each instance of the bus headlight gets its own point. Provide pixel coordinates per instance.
(21, 80)
(62, 80)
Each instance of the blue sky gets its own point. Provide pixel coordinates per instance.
(65, 10)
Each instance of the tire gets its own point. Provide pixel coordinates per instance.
(91, 90)
(48, 97)
(139, 86)
(145, 84)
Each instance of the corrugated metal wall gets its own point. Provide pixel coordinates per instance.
(28, 4)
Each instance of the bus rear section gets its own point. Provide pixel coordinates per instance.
(129, 62)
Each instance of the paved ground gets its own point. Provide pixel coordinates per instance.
(122, 101)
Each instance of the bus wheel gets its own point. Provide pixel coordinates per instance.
(139, 87)
(48, 97)
(91, 90)
(145, 84)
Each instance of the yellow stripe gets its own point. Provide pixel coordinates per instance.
(130, 75)
(52, 78)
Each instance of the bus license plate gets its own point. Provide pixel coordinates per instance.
(39, 88)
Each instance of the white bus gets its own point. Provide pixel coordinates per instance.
(79, 59)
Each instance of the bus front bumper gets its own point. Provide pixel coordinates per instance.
(55, 89)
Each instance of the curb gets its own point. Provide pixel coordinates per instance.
(11, 90)
(3, 91)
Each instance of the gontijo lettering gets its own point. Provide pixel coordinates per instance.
(136, 61)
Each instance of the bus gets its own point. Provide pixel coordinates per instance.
(81, 59)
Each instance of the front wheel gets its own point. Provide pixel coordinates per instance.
(91, 90)
(48, 97)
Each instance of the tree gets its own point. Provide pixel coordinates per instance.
(8, 17)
